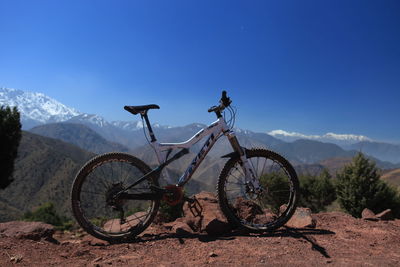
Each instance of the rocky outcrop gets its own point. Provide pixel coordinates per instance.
(201, 216)
(302, 218)
(27, 230)
(371, 216)
(204, 216)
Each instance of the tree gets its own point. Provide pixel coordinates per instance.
(10, 136)
(359, 186)
(317, 192)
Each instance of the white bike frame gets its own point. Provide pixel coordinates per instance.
(214, 131)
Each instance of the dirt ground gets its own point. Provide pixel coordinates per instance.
(338, 240)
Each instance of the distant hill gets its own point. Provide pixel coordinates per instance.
(44, 171)
(309, 151)
(80, 135)
(383, 151)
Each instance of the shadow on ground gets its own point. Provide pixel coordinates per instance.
(305, 234)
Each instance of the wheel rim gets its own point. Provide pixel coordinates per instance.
(100, 213)
(263, 210)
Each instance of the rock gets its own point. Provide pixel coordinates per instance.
(264, 218)
(302, 218)
(182, 229)
(205, 216)
(247, 209)
(213, 254)
(385, 215)
(114, 225)
(27, 230)
(93, 241)
(368, 214)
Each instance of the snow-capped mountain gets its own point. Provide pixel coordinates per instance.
(136, 125)
(85, 118)
(339, 139)
(128, 125)
(36, 108)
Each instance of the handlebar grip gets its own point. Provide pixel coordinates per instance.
(226, 101)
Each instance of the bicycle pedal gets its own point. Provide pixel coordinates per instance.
(195, 208)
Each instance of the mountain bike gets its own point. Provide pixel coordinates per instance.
(116, 196)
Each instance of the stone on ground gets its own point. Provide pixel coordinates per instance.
(27, 230)
(385, 215)
(302, 218)
(369, 215)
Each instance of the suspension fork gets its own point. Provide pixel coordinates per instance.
(250, 174)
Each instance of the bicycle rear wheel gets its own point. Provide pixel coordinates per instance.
(264, 211)
(100, 178)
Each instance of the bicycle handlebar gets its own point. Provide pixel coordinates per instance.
(224, 103)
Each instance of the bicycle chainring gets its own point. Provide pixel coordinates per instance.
(174, 195)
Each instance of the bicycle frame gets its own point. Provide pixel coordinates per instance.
(213, 131)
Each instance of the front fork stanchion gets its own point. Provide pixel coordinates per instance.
(251, 178)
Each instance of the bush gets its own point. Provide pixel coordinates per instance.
(317, 192)
(10, 136)
(47, 213)
(278, 190)
(359, 186)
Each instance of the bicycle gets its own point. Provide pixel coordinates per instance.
(116, 196)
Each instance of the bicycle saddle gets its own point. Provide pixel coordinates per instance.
(139, 109)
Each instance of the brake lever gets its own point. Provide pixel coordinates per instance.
(212, 109)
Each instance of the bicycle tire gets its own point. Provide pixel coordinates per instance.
(258, 212)
(89, 192)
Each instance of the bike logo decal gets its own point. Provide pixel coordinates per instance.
(197, 160)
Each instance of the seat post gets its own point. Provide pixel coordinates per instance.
(152, 137)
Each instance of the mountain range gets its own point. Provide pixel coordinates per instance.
(37, 109)
(52, 152)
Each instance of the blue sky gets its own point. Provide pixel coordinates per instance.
(304, 66)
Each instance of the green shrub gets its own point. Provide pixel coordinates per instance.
(359, 186)
(278, 190)
(47, 213)
(317, 192)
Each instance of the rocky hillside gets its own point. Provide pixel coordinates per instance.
(392, 176)
(79, 135)
(44, 171)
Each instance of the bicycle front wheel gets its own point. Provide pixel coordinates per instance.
(258, 211)
(102, 177)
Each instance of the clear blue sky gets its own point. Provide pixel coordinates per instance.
(305, 66)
